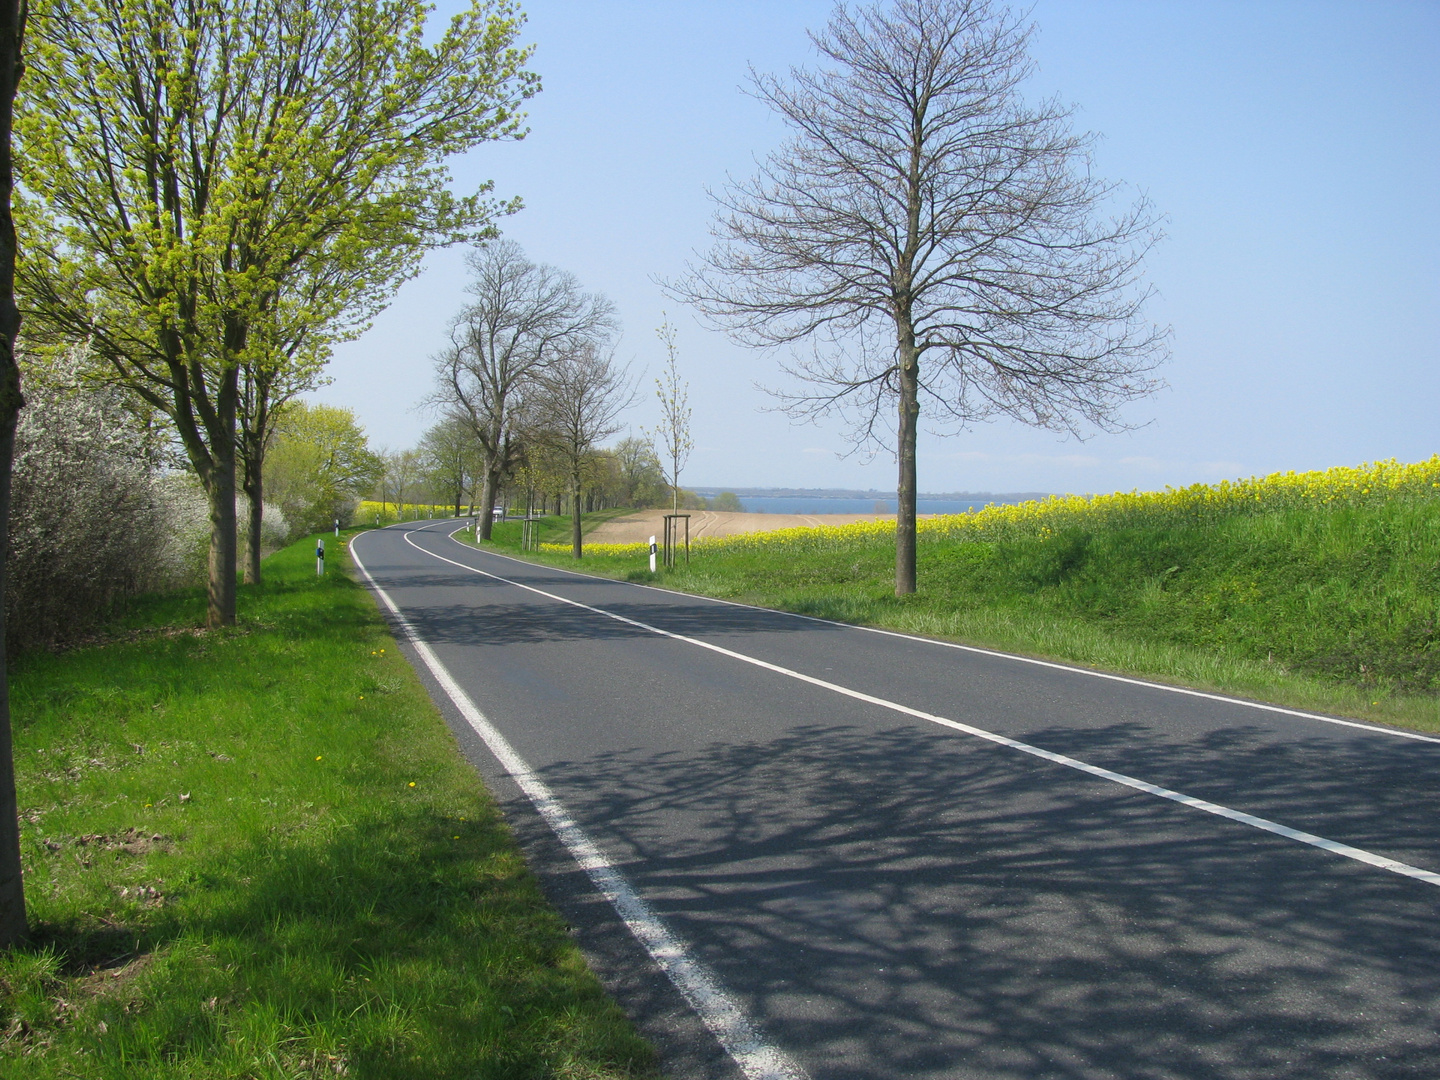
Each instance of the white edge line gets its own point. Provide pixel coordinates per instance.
(758, 1059)
(1399, 733)
(1382, 862)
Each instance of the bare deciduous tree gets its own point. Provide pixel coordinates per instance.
(674, 429)
(524, 315)
(580, 398)
(941, 244)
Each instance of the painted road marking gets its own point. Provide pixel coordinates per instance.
(1377, 729)
(1394, 866)
(757, 1058)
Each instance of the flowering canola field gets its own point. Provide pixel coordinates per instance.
(1194, 505)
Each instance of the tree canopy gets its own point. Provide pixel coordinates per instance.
(321, 465)
(940, 246)
(233, 184)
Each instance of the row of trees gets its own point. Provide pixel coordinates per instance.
(213, 195)
(216, 193)
(447, 469)
(530, 379)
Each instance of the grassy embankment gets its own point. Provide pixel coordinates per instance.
(1320, 590)
(258, 853)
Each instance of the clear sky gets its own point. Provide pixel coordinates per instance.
(1293, 147)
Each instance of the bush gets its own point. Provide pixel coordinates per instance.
(94, 518)
(88, 523)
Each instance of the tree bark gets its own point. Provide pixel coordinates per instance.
(253, 483)
(575, 548)
(905, 486)
(210, 444)
(13, 925)
(487, 498)
(220, 588)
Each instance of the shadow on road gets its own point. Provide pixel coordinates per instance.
(474, 620)
(902, 905)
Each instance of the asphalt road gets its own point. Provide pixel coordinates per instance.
(816, 826)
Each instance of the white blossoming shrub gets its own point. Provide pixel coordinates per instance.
(86, 518)
(274, 528)
(180, 558)
(95, 516)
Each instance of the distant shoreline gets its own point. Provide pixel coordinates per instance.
(711, 490)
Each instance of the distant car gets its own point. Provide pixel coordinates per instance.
(498, 513)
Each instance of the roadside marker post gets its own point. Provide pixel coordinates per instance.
(320, 559)
(652, 554)
(672, 539)
(337, 528)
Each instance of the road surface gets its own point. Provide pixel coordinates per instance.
(795, 848)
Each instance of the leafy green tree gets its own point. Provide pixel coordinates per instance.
(402, 473)
(13, 927)
(320, 466)
(641, 476)
(213, 186)
(454, 460)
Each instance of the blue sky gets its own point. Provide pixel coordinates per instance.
(1293, 147)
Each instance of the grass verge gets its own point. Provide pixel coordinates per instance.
(258, 853)
(1327, 607)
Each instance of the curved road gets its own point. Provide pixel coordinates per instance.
(791, 847)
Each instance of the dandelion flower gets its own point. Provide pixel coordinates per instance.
(412, 783)
(318, 756)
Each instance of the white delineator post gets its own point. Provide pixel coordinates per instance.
(337, 528)
(320, 559)
(652, 554)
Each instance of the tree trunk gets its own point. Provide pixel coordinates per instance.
(487, 497)
(905, 488)
(13, 925)
(575, 548)
(254, 485)
(220, 592)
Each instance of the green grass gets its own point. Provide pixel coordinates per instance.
(1326, 607)
(258, 853)
(554, 528)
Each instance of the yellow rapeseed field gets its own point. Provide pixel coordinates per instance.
(1190, 505)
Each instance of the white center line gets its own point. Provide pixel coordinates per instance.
(1394, 866)
(757, 1058)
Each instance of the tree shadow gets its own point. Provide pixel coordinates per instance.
(896, 903)
(480, 617)
(386, 945)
